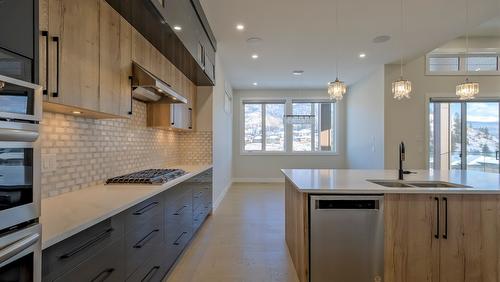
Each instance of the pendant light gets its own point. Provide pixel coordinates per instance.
(467, 90)
(337, 88)
(401, 88)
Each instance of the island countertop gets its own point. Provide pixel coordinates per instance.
(349, 181)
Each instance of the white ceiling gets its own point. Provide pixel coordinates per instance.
(299, 34)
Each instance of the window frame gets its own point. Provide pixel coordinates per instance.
(462, 62)
(288, 128)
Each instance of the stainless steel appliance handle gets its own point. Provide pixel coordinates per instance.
(19, 82)
(20, 135)
(18, 246)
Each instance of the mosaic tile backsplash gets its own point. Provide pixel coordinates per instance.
(89, 151)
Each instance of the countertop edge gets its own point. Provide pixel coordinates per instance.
(385, 190)
(46, 243)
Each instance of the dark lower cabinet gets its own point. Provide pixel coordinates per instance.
(139, 244)
(153, 269)
(106, 265)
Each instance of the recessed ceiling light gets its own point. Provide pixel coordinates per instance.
(77, 112)
(254, 40)
(177, 27)
(240, 27)
(381, 39)
(298, 72)
(255, 56)
(255, 84)
(362, 55)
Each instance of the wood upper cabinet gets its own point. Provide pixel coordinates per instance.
(85, 47)
(115, 57)
(442, 238)
(74, 30)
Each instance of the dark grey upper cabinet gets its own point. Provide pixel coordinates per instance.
(17, 26)
(155, 20)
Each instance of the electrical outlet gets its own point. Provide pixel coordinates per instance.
(49, 162)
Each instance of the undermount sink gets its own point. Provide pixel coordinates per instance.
(417, 184)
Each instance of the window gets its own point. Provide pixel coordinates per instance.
(464, 135)
(482, 63)
(264, 127)
(288, 126)
(317, 135)
(460, 64)
(444, 64)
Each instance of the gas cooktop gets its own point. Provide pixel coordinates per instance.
(148, 176)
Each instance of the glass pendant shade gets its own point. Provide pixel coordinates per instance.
(401, 89)
(337, 89)
(467, 90)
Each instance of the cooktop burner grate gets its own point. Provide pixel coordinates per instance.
(148, 176)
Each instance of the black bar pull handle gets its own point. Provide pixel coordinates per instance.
(146, 208)
(436, 235)
(190, 118)
(88, 244)
(103, 275)
(445, 234)
(131, 96)
(46, 35)
(151, 274)
(179, 238)
(179, 211)
(146, 239)
(56, 40)
(497, 155)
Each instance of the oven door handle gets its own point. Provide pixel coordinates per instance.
(17, 247)
(21, 135)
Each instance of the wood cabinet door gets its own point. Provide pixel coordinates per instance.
(470, 246)
(125, 68)
(79, 54)
(411, 250)
(109, 60)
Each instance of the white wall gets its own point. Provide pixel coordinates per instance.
(407, 120)
(222, 137)
(365, 122)
(267, 168)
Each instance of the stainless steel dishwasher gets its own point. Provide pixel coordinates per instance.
(346, 238)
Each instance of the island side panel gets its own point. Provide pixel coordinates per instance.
(296, 229)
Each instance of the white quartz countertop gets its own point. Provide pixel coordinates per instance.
(344, 181)
(65, 215)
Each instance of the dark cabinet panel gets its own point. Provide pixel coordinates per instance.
(179, 47)
(67, 254)
(153, 270)
(107, 265)
(17, 26)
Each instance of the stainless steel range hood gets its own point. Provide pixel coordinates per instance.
(148, 88)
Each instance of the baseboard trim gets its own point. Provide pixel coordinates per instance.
(221, 196)
(258, 180)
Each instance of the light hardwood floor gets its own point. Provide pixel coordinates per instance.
(244, 240)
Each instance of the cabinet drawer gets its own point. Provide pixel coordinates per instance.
(107, 265)
(140, 243)
(142, 213)
(177, 239)
(69, 253)
(199, 216)
(154, 269)
(181, 196)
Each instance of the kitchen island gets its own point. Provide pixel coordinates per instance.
(431, 233)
